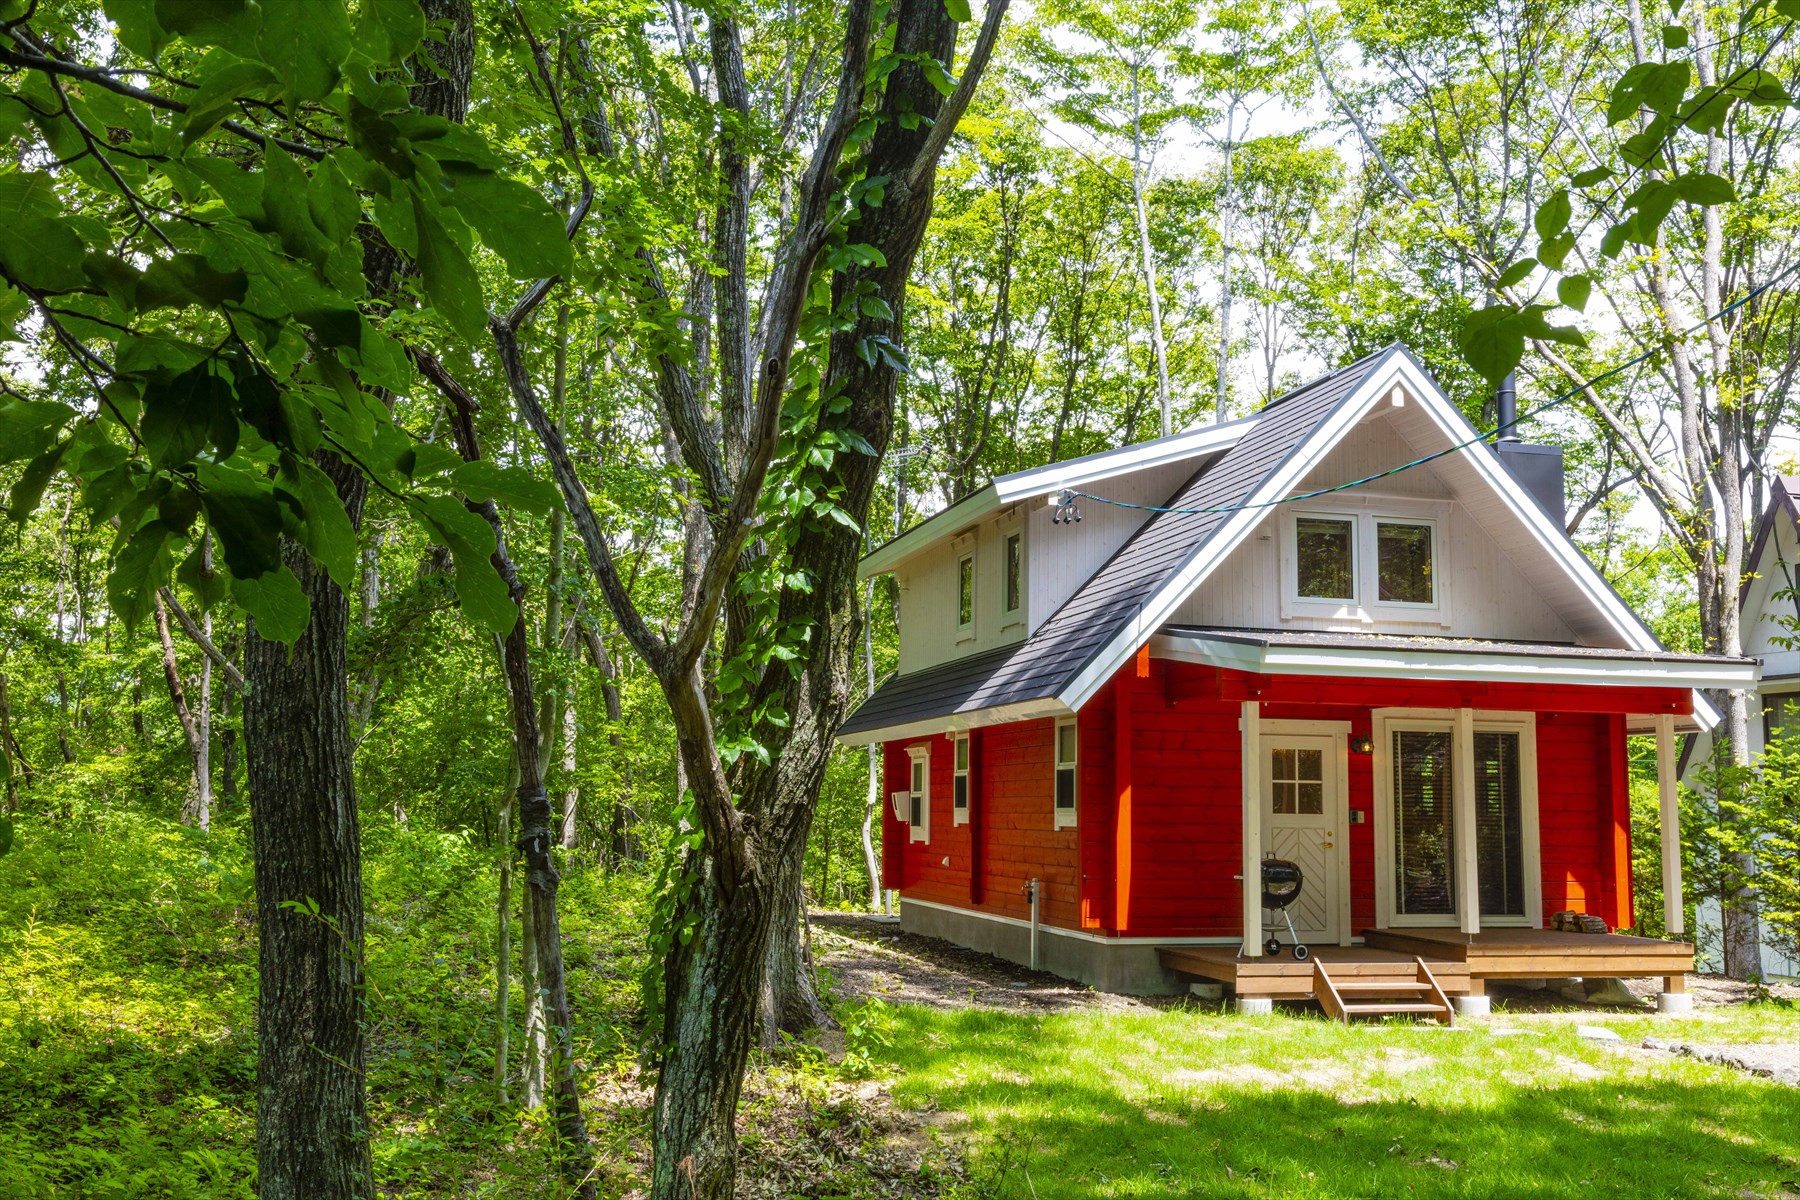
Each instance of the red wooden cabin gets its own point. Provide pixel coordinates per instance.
(1258, 640)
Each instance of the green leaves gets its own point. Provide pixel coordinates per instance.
(1493, 339)
(958, 10)
(276, 601)
(513, 220)
(27, 427)
(450, 280)
(513, 487)
(1702, 188)
(471, 543)
(1573, 291)
(305, 42)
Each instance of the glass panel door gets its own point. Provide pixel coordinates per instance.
(1424, 846)
(1499, 825)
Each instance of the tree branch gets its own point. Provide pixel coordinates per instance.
(952, 112)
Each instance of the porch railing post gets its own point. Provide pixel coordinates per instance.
(1669, 806)
(1462, 800)
(1251, 739)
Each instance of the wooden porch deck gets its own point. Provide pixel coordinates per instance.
(1283, 978)
(1461, 963)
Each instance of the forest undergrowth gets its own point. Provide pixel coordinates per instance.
(127, 1031)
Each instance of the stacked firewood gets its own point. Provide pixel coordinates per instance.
(1571, 921)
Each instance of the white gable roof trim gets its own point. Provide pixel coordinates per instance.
(1400, 370)
(1038, 482)
(1548, 666)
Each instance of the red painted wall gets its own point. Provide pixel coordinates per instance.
(1178, 852)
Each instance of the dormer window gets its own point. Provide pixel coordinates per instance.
(1403, 563)
(1325, 550)
(1364, 566)
(1015, 573)
(965, 596)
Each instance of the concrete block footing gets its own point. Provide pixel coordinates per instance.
(1206, 991)
(1674, 1002)
(1255, 1006)
(1472, 1006)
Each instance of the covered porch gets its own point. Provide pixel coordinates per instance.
(1471, 839)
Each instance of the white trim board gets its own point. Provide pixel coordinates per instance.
(1047, 480)
(980, 718)
(1397, 663)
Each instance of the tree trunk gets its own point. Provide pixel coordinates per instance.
(503, 823)
(311, 1119)
(196, 805)
(623, 843)
(571, 805)
(790, 1002)
(1139, 184)
(228, 736)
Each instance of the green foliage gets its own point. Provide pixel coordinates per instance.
(203, 420)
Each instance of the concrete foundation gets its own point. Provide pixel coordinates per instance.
(1255, 1006)
(1472, 1006)
(1674, 1002)
(1129, 968)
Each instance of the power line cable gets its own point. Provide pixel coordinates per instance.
(1069, 495)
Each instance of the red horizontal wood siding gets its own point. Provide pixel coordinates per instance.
(1183, 825)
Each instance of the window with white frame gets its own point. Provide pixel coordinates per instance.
(1325, 557)
(918, 795)
(959, 787)
(1014, 566)
(1066, 783)
(1344, 564)
(965, 595)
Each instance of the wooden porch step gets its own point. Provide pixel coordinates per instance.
(1418, 996)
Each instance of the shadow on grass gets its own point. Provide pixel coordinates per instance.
(1303, 1108)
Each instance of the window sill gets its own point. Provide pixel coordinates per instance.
(964, 637)
(1063, 820)
(961, 818)
(919, 835)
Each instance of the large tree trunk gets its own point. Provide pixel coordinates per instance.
(311, 1118)
(790, 1002)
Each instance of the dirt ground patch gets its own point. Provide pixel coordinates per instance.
(872, 956)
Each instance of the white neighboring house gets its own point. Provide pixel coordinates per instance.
(1771, 616)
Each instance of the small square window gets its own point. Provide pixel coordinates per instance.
(965, 592)
(1015, 572)
(1325, 550)
(1403, 563)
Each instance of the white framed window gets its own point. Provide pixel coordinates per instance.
(965, 596)
(1012, 566)
(1366, 566)
(960, 793)
(918, 794)
(1067, 781)
(1406, 562)
(1325, 557)
(1419, 801)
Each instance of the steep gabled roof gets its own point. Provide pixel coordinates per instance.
(1047, 480)
(1784, 499)
(1060, 666)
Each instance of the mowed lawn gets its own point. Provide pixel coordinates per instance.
(1196, 1102)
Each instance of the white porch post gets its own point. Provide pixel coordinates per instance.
(1670, 806)
(1250, 725)
(1462, 801)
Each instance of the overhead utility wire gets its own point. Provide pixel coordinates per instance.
(1069, 495)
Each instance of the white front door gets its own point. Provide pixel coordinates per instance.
(1302, 820)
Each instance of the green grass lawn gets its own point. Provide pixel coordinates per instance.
(1194, 1102)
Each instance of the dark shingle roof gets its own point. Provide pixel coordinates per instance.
(1043, 665)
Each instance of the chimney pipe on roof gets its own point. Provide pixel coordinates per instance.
(1539, 469)
(1506, 408)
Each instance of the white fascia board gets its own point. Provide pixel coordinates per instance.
(1038, 482)
(971, 508)
(1395, 663)
(1552, 540)
(1025, 710)
(1141, 456)
(1230, 532)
